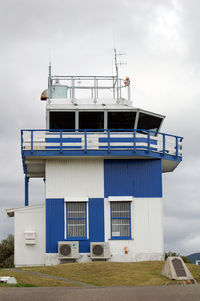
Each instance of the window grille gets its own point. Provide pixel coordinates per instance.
(76, 219)
(120, 219)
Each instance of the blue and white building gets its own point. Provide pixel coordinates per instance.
(102, 162)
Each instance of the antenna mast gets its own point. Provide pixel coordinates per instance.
(49, 82)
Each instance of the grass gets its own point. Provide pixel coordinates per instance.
(100, 274)
(28, 280)
(111, 273)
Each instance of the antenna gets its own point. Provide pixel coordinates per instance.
(117, 71)
(49, 82)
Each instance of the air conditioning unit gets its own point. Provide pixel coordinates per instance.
(68, 249)
(99, 250)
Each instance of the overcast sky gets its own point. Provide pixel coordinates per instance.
(161, 39)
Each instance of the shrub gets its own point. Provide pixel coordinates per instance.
(185, 259)
(7, 252)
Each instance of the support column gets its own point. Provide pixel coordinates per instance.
(26, 190)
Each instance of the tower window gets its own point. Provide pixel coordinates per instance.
(62, 120)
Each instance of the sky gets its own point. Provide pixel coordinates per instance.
(161, 41)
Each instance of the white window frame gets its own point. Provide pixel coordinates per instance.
(77, 200)
(121, 199)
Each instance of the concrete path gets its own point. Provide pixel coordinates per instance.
(78, 283)
(153, 293)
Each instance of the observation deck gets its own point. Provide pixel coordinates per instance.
(39, 145)
(92, 116)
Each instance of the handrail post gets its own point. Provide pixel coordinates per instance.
(61, 141)
(163, 144)
(176, 147)
(134, 141)
(85, 141)
(21, 141)
(31, 141)
(148, 141)
(108, 141)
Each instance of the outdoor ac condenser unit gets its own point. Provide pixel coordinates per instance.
(68, 249)
(99, 250)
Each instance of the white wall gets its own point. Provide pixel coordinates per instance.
(146, 230)
(30, 218)
(75, 178)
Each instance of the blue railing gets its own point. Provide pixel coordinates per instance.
(101, 140)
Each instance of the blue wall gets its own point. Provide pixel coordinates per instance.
(55, 224)
(138, 178)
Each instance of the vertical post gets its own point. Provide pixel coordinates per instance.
(108, 141)
(134, 141)
(113, 88)
(85, 141)
(95, 90)
(49, 84)
(117, 90)
(163, 144)
(176, 147)
(105, 119)
(26, 190)
(76, 120)
(31, 141)
(61, 141)
(129, 92)
(148, 140)
(73, 90)
(21, 141)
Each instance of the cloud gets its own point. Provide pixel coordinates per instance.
(161, 39)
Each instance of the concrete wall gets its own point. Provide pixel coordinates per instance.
(29, 219)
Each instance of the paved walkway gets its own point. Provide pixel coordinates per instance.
(52, 277)
(153, 293)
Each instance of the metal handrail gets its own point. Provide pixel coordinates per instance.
(149, 139)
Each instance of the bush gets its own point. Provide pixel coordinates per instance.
(7, 252)
(185, 259)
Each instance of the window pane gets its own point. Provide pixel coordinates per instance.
(120, 227)
(76, 228)
(120, 209)
(76, 210)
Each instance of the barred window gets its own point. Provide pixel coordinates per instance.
(120, 220)
(76, 219)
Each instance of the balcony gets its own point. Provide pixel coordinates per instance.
(101, 143)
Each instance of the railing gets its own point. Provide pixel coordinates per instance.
(107, 140)
(61, 85)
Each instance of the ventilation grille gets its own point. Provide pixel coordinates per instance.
(99, 250)
(68, 249)
(65, 250)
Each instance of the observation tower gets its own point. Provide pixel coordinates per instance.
(102, 161)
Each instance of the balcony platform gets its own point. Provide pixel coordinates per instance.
(40, 145)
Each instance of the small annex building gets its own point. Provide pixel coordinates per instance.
(102, 161)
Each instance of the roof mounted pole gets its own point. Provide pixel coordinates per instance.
(49, 83)
(117, 74)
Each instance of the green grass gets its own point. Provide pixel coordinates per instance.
(110, 273)
(100, 274)
(29, 280)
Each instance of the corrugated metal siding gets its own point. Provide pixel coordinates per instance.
(54, 224)
(75, 178)
(147, 225)
(96, 220)
(139, 178)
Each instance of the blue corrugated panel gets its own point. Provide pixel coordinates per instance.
(96, 220)
(54, 224)
(138, 178)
